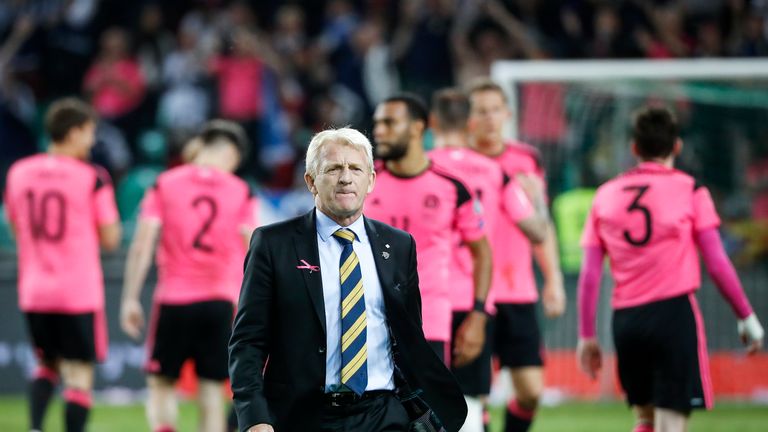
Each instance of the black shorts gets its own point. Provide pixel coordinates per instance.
(517, 337)
(441, 349)
(475, 378)
(662, 355)
(197, 331)
(68, 336)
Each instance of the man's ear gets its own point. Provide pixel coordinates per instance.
(310, 183)
(678, 147)
(633, 146)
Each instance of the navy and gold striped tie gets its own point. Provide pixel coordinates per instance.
(354, 350)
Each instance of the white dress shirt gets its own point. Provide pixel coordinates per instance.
(380, 366)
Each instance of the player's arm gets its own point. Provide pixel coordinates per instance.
(110, 235)
(524, 203)
(588, 350)
(470, 336)
(720, 268)
(137, 265)
(547, 257)
(726, 279)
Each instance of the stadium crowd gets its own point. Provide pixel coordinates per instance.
(284, 70)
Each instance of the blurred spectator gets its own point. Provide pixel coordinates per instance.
(153, 44)
(240, 78)
(185, 102)
(421, 45)
(116, 84)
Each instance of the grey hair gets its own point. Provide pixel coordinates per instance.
(345, 136)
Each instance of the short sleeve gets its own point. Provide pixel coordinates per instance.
(704, 213)
(590, 236)
(150, 207)
(249, 214)
(470, 220)
(515, 203)
(104, 200)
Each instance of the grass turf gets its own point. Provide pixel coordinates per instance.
(570, 417)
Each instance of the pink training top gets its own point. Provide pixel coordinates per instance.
(203, 213)
(57, 205)
(512, 257)
(500, 197)
(118, 87)
(645, 219)
(431, 206)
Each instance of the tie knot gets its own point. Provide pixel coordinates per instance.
(345, 236)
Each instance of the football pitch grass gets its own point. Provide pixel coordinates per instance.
(575, 417)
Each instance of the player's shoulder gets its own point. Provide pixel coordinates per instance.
(525, 150)
(462, 190)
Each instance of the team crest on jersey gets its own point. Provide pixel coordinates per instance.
(477, 206)
(431, 201)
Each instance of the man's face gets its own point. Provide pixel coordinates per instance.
(391, 130)
(487, 116)
(83, 138)
(343, 180)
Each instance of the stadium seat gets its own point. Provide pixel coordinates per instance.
(6, 238)
(131, 189)
(153, 147)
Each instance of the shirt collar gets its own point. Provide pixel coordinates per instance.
(327, 226)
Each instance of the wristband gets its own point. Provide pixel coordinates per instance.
(479, 306)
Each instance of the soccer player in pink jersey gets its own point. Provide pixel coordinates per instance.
(414, 195)
(203, 215)
(501, 197)
(61, 209)
(517, 336)
(650, 221)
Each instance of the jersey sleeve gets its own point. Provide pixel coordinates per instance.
(105, 205)
(590, 236)
(249, 214)
(150, 207)
(515, 203)
(704, 213)
(470, 222)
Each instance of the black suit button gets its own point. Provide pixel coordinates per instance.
(321, 350)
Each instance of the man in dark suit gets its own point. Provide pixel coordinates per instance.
(329, 321)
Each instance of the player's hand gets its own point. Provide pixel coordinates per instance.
(553, 298)
(470, 338)
(590, 356)
(261, 427)
(751, 333)
(132, 318)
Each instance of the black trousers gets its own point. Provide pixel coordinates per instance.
(382, 413)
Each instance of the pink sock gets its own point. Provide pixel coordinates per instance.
(643, 427)
(165, 429)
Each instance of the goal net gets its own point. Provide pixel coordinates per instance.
(577, 113)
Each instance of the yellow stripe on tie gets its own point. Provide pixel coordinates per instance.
(354, 365)
(351, 298)
(350, 260)
(349, 270)
(353, 332)
(353, 301)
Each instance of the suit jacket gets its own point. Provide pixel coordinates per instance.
(280, 329)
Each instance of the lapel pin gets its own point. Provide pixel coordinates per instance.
(386, 245)
(385, 254)
(308, 266)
